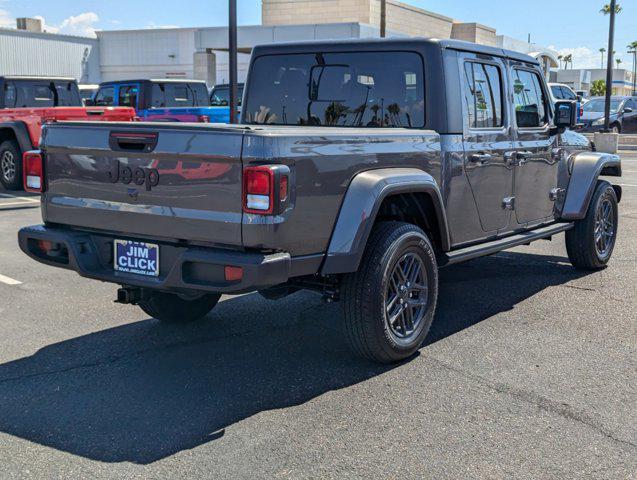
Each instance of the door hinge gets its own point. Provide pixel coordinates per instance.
(556, 194)
(508, 203)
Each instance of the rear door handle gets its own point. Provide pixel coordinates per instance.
(523, 156)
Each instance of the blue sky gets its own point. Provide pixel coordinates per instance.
(570, 26)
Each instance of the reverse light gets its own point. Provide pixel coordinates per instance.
(33, 171)
(265, 189)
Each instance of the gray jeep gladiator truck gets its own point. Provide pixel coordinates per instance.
(358, 170)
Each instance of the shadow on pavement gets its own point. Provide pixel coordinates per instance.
(144, 391)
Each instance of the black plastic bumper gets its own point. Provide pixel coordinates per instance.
(182, 268)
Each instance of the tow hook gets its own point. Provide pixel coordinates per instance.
(129, 295)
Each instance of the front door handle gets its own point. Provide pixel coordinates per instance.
(480, 157)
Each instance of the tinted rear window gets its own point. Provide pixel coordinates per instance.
(364, 89)
(41, 93)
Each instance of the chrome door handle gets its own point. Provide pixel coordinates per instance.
(523, 156)
(480, 157)
(510, 158)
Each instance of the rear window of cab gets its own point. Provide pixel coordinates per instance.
(362, 89)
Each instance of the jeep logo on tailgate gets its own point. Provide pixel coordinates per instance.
(139, 176)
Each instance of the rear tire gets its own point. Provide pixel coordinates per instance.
(10, 165)
(171, 308)
(591, 241)
(389, 303)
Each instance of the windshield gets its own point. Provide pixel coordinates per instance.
(597, 105)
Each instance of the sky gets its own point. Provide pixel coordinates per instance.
(568, 26)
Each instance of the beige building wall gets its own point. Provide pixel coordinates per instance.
(474, 32)
(401, 17)
(300, 12)
(412, 20)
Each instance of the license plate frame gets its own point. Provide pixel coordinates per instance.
(135, 257)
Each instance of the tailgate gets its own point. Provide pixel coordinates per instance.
(173, 182)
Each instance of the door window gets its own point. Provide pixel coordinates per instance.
(483, 95)
(528, 99)
(104, 97)
(128, 96)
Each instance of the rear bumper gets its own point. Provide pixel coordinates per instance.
(182, 268)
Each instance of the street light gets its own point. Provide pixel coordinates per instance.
(383, 18)
(609, 65)
(634, 52)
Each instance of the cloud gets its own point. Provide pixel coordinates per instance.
(82, 25)
(153, 25)
(6, 20)
(584, 57)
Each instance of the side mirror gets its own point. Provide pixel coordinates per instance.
(565, 114)
(628, 110)
(579, 98)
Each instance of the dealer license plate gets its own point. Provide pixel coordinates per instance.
(136, 257)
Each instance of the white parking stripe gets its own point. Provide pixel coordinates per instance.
(9, 281)
(12, 204)
(620, 184)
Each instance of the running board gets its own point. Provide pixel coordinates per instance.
(475, 251)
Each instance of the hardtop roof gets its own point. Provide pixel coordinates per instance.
(392, 43)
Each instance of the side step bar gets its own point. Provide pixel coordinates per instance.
(475, 251)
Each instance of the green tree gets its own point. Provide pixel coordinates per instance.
(568, 59)
(602, 51)
(618, 61)
(598, 88)
(559, 59)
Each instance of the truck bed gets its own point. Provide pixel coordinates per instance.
(198, 195)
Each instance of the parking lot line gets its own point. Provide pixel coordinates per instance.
(9, 280)
(13, 204)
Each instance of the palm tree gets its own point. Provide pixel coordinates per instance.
(618, 61)
(568, 59)
(559, 59)
(606, 9)
(602, 50)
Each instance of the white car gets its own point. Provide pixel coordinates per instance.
(560, 91)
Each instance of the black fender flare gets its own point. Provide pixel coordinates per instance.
(360, 207)
(585, 168)
(21, 134)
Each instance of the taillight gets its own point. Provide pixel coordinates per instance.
(33, 171)
(203, 118)
(265, 189)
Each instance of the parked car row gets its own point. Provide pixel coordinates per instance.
(167, 100)
(28, 102)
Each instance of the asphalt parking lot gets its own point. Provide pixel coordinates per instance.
(529, 371)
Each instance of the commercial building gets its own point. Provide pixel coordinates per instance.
(30, 51)
(201, 53)
(582, 79)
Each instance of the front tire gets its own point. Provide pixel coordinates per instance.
(591, 241)
(10, 165)
(171, 308)
(389, 303)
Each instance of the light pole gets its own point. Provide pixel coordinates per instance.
(609, 65)
(383, 18)
(232, 53)
(634, 52)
